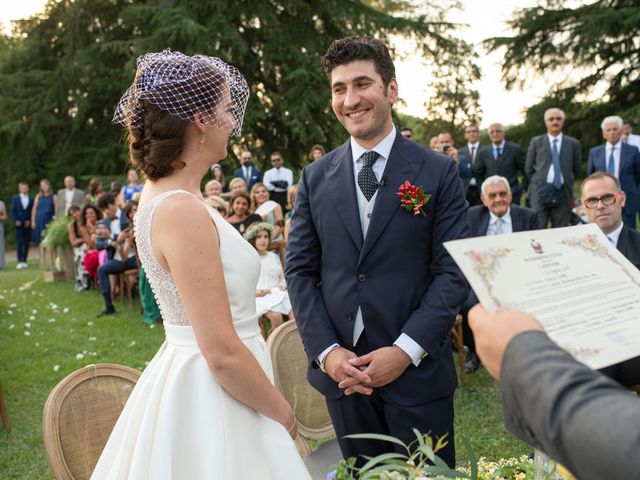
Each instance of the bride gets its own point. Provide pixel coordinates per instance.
(205, 407)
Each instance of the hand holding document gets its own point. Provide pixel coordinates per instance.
(573, 280)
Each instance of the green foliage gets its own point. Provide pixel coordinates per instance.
(64, 70)
(56, 234)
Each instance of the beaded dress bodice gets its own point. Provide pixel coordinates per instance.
(240, 261)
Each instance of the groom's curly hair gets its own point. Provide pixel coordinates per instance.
(352, 49)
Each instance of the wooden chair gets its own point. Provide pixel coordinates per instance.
(458, 340)
(290, 374)
(79, 416)
(3, 411)
(128, 283)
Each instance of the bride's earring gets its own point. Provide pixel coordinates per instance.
(202, 139)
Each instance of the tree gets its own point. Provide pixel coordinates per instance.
(64, 70)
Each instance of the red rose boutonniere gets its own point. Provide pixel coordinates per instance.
(413, 198)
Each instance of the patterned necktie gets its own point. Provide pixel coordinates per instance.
(497, 153)
(367, 180)
(611, 166)
(499, 230)
(555, 158)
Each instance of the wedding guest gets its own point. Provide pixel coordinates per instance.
(407, 133)
(434, 143)
(150, 310)
(497, 216)
(132, 187)
(502, 158)
(628, 135)
(291, 202)
(250, 174)
(89, 218)
(3, 217)
(237, 185)
(316, 152)
(270, 211)
(218, 174)
(115, 188)
(272, 299)
(241, 214)
(470, 152)
(21, 209)
(621, 160)
(576, 415)
(94, 191)
(219, 204)
(278, 179)
(79, 246)
(69, 195)
(552, 164)
(44, 208)
(447, 147)
(213, 188)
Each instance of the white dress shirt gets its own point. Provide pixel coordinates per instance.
(473, 152)
(68, 198)
(494, 149)
(506, 227)
(24, 200)
(616, 157)
(404, 341)
(281, 173)
(615, 235)
(551, 174)
(634, 140)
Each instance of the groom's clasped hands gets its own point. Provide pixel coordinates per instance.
(362, 374)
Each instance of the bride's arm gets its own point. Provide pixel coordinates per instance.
(188, 246)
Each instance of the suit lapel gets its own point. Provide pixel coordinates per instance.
(400, 167)
(484, 224)
(341, 182)
(623, 241)
(516, 221)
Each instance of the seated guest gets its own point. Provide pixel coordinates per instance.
(213, 188)
(604, 203)
(621, 160)
(218, 174)
(551, 401)
(272, 299)
(496, 216)
(218, 204)
(79, 247)
(291, 202)
(270, 211)
(241, 215)
(89, 218)
(119, 241)
(238, 184)
(316, 152)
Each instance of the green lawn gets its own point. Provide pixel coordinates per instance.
(47, 331)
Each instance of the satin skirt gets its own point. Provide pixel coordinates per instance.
(179, 423)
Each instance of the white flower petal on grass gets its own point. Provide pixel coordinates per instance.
(65, 310)
(32, 317)
(89, 324)
(27, 325)
(34, 311)
(13, 305)
(9, 312)
(132, 343)
(79, 356)
(37, 344)
(56, 368)
(92, 339)
(153, 325)
(51, 320)
(27, 334)
(12, 326)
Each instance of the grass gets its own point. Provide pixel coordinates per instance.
(47, 331)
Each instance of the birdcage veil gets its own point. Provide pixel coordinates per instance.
(186, 86)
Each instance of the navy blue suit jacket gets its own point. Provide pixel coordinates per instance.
(522, 219)
(629, 172)
(400, 275)
(18, 213)
(255, 176)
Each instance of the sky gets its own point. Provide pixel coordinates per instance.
(485, 18)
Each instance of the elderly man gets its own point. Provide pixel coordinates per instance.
(470, 151)
(68, 196)
(622, 160)
(496, 216)
(553, 162)
(247, 171)
(501, 158)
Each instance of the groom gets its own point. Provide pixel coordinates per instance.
(373, 290)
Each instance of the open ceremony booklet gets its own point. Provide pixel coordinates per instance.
(573, 280)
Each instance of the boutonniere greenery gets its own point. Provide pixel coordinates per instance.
(413, 198)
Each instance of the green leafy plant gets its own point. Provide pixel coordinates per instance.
(56, 234)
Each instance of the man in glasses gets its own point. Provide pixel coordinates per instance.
(621, 160)
(553, 162)
(497, 216)
(247, 171)
(278, 180)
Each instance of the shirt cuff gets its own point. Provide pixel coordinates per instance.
(323, 355)
(409, 346)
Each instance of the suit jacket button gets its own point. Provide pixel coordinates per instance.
(362, 277)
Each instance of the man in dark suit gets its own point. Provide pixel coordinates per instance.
(373, 290)
(496, 217)
(501, 158)
(446, 146)
(553, 162)
(621, 160)
(21, 206)
(471, 152)
(604, 203)
(557, 404)
(247, 171)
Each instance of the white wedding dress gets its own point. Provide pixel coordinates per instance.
(179, 423)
